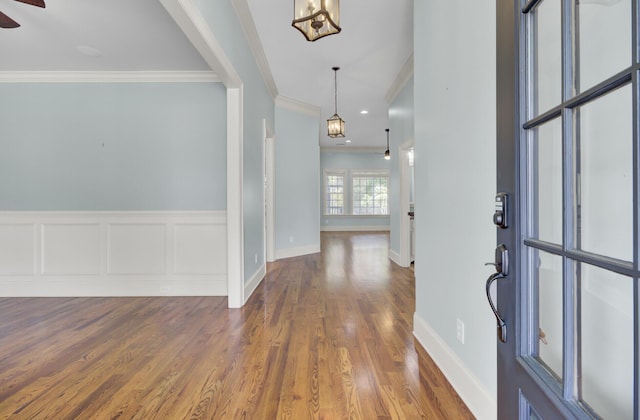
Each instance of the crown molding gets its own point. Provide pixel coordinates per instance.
(405, 74)
(253, 39)
(107, 77)
(297, 106)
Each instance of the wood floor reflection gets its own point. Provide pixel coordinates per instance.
(325, 336)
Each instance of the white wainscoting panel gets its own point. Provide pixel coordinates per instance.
(17, 249)
(71, 249)
(136, 248)
(150, 253)
(199, 250)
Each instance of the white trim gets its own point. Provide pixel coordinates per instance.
(121, 286)
(405, 222)
(235, 206)
(254, 282)
(479, 400)
(113, 253)
(297, 251)
(160, 216)
(270, 214)
(354, 228)
(188, 17)
(395, 257)
(405, 74)
(251, 34)
(108, 77)
(297, 106)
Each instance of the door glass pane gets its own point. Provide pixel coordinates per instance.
(607, 342)
(549, 276)
(547, 56)
(606, 175)
(604, 39)
(547, 181)
(529, 412)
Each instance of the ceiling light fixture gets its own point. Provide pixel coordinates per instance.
(387, 156)
(364, 111)
(335, 124)
(316, 18)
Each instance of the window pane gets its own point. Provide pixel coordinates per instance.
(370, 194)
(604, 39)
(547, 56)
(334, 194)
(606, 175)
(607, 342)
(546, 177)
(550, 318)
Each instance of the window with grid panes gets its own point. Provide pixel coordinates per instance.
(334, 190)
(369, 193)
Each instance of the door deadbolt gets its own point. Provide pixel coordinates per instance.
(500, 214)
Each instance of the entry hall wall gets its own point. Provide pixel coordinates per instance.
(455, 146)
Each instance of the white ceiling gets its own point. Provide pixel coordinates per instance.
(375, 43)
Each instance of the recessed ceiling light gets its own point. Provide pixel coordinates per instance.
(348, 141)
(364, 111)
(88, 51)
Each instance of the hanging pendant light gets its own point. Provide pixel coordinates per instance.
(387, 155)
(316, 18)
(335, 124)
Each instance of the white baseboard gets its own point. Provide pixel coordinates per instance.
(151, 253)
(480, 401)
(355, 228)
(395, 257)
(297, 251)
(254, 282)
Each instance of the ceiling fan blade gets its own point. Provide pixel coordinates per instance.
(6, 22)
(39, 3)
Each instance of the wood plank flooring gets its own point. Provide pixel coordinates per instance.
(325, 336)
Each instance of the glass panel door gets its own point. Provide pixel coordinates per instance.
(571, 301)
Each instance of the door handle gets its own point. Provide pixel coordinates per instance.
(502, 326)
(502, 269)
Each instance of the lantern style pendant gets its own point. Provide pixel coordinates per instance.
(335, 124)
(316, 18)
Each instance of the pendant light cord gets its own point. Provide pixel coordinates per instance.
(335, 89)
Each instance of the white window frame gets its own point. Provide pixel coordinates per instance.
(348, 175)
(366, 174)
(345, 191)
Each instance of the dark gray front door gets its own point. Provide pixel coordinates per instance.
(568, 153)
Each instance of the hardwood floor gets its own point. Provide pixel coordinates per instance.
(324, 336)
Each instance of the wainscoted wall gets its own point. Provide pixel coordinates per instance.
(132, 253)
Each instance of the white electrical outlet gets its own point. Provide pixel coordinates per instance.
(291, 239)
(255, 258)
(460, 330)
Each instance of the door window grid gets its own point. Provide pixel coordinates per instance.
(568, 250)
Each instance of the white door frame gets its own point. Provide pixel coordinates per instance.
(405, 222)
(269, 193)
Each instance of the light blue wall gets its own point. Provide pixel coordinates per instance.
(258, 105)
(297, 180)
(455, 176)
(352, 160)
(401, 131)
(112, 146)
